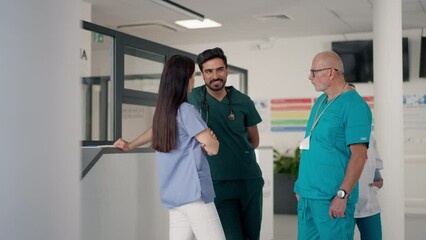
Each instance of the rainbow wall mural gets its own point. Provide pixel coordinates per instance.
(292, 114)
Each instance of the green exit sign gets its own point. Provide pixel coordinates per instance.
(99, 37)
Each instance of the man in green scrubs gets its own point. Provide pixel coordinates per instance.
(334, 152)
(237, 177)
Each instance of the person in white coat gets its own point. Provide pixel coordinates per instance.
(367, 213)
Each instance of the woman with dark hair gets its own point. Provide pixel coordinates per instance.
(181, 138)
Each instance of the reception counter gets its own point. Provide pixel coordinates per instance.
(121, 198)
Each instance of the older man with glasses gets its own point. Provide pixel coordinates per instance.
(334, 152)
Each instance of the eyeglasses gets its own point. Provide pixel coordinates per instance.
(313, 71)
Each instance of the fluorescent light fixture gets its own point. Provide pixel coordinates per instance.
(149, 24)
(180, 9)
(194, 24)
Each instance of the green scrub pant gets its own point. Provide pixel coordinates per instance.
(239, 204)
(314, 223)
(370, 228)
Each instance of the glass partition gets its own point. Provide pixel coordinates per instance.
(142, 70)
(135, 120)
(120, 81)
(96, 56)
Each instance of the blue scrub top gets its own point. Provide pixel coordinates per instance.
(322, 168)
(184, 172)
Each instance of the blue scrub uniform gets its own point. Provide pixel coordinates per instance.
(184, 172)
(347, 120)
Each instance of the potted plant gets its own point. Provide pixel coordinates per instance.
(286, 169)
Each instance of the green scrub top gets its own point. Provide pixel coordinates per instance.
(322, 168)
(236, 158)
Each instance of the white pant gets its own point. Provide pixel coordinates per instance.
(196, 219)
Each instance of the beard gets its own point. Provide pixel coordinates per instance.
(216, 84)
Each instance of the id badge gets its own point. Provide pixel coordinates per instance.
(304, 145)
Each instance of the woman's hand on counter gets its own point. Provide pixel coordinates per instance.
(122, 144)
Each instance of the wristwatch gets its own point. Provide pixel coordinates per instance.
(342, 194)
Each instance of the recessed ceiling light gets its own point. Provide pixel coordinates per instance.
(194, 24)
(265, 18)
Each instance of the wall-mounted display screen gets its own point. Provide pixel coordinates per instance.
(357, 57)
(422, 72)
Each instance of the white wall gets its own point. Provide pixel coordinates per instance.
(264, 158)
(40, 120)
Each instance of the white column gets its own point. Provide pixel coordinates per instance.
(39, 120)
(388, 112)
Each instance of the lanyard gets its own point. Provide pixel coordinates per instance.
(316, 118)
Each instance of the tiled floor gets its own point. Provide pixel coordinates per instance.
(285, 227)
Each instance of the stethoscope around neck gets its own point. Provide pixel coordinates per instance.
(231, 115)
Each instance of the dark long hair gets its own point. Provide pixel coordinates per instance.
(172, 93)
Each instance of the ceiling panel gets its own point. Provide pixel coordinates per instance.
(238, 17)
